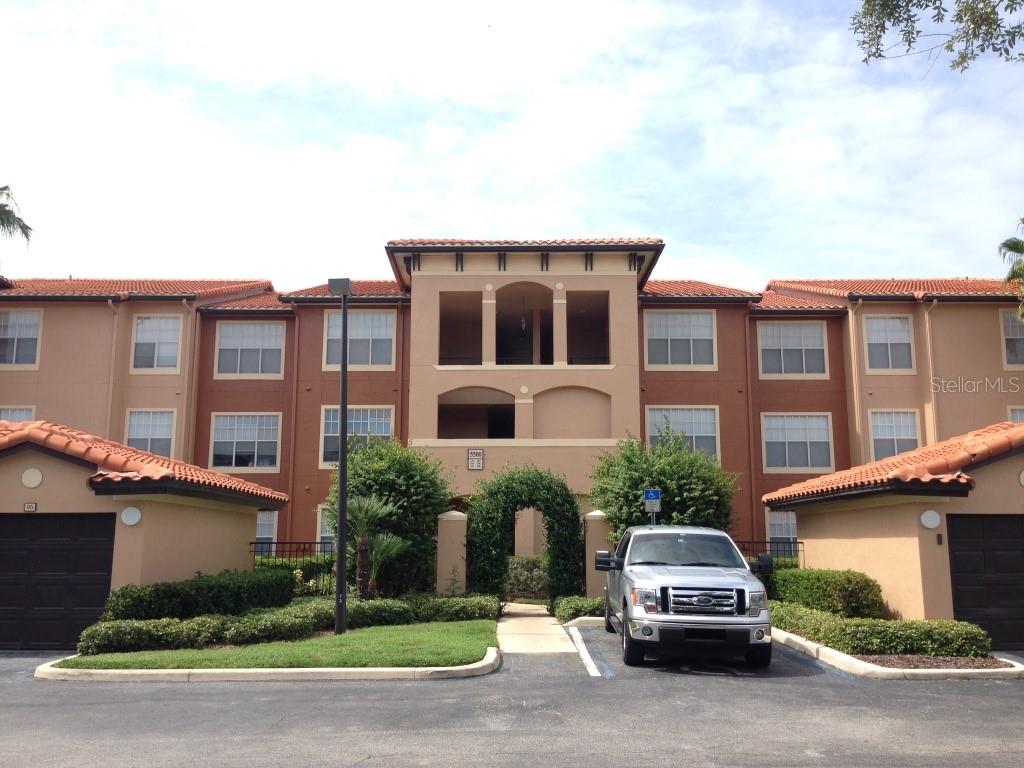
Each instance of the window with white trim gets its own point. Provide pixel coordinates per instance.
(893, 432)
(151, 431)
(782, 533)
(16, 414)
(266, 531)
(363, 423)
(889, 343)
(19, 336)
(1017, 415)
(798, 441)
(698, 427)
(792, 348)
(249, 348)
(370, 338)
(156, 342)
(680, 338)
(1013, 337)
(246, 440)
(326, 534)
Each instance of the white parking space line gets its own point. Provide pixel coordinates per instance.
(588, 662)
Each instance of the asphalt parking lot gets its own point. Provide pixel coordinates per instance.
(536, 710)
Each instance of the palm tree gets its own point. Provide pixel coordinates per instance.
(364, 513)
(1012, 251)
(383, 547)
(11, 223)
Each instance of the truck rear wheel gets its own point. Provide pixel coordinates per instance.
(632, 651)
(759, 656)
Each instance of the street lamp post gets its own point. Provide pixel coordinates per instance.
(342, 287)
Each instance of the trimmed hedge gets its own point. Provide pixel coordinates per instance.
(847, 593)
(230, 592)
(158, 634)
(527, 576)
(458, 608)
(867, 637)
(569, 608)
(376, 613)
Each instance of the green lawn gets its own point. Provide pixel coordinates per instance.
(438, 644)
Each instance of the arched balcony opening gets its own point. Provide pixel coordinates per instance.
(477, 413)
(524, 325)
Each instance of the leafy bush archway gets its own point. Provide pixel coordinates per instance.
(491, 530)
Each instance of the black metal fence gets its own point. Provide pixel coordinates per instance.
(778, 548)
(315, 560)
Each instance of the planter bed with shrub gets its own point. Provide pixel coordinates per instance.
(569, 608)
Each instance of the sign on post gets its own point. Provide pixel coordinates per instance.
(652, 503)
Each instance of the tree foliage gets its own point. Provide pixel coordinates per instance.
(417, 491)
(491, 529)
(695, 490)
(970, 29)
(11, 223)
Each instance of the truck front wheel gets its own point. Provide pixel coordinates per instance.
(632, 651)
(759, 656)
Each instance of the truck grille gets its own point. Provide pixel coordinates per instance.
(715, 602)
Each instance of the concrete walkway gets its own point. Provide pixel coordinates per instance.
(529, 629)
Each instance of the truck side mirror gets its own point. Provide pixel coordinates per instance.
(764, 565)
(606, 561)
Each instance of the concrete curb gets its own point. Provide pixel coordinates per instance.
(854, 666)
(49, 671)
(586, 621)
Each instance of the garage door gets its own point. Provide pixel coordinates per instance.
(986, 558)
(54, 577)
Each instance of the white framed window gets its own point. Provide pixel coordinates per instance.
(247, 349)
(792, 349)
(364, 421)
(797, 442)
(151, 431)
(893, 432)
(155, 344)
(1013, 339)
(782, 533)
(245, 442)
(17, 412)
(324, 533)
(371, 338)
(266, 531)
(19, 337)
(889, 341)
(697, 424)
(684, 338)
(1016, 413)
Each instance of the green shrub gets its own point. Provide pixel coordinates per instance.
(115, 636)
(491, 526)
(527, 576)
(231, 592)
(311, 567)
(376, 613)
(695, 490)
(458, 608)
(846, 593)
(156, 634)
(569, 608)
(866, 637)
(785, 562)
(417, 486)
(270, 626)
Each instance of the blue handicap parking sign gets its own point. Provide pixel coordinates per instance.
(652, 494)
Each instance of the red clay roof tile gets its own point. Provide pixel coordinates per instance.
(938, 464)
(119, 463)
(359, 288)
(127, 289)
(918, 288)
(773, 300)
(692, 288)
(264, 302)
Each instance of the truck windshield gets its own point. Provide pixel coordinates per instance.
(699, 549)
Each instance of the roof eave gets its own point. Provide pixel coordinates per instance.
(932, 488)
(699, 299)
(147, 486)
(808, 311)
(352, 299)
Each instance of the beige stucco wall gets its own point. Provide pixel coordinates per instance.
(176, 537)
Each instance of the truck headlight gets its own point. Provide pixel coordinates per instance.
(648, 598)
(758, 602)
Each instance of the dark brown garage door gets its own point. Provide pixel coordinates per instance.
(54, 577)
(986, 558)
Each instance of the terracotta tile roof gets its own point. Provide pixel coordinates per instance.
(452, 242)
(359, 288)
(936, 465)
(917, 289)
(268, 301)
(122, 290)
(773, 300)
(693, 288)
(117, 463)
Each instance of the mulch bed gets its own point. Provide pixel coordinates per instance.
(936, 662)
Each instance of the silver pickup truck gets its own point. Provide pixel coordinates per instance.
(682, 588)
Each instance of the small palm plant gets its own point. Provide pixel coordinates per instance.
(365, 513)
(383, 547)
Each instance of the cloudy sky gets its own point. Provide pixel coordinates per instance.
(291, 140)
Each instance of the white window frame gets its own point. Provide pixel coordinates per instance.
(323, 414)
(320, 526)
(798, 470)
(1009, 413)
(360, 367)
(912, 370)
(790, 521)
(246, 470)
(30, 408)
(216, 350)
(174, 425)
(176, 370)
(688, 407)
(1007, 365)
(39, 341)
(871, 425)
(649, 366)
(273, 538)
(809, 376)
